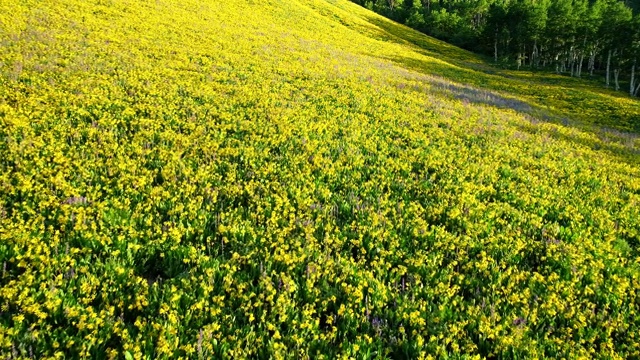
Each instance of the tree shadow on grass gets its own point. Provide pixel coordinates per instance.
(560, 97)
(617, 144)
(622, 145)
(429, 46)
(540, 96)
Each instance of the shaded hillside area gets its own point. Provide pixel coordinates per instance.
(595, 39)
(303, 179)
(557, 96)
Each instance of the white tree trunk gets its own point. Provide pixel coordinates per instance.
(594, 53)
(579, 70)
(495, 47)
(616, 72)
(584, 47)
(534, 54)
(633, 74)
(608, 67)
(571, 63)
(519, 60)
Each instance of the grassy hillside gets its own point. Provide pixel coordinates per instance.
(302, 179)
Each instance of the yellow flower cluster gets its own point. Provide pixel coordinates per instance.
(301, 179)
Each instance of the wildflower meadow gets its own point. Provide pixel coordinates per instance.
(302, 179)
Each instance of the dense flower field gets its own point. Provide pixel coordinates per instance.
(301, 179)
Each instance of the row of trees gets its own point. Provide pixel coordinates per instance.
(576, 37)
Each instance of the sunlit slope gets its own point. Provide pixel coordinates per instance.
(301, 179)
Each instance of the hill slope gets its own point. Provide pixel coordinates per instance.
(302, 179)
